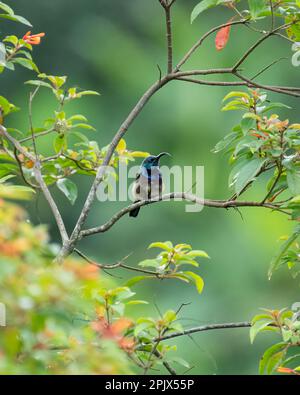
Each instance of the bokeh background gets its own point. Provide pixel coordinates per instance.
(114, 46)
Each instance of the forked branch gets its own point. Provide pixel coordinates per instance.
(173, 73)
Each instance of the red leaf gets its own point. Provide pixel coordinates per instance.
(222, 37)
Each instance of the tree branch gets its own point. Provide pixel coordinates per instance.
(41, 182)
(232, 325)
(167, 8)
(203, 38)
(212, 83)
(77, 232)
(44, 133)
(169, 368)
(260, 41)
(171, 196)
(101, 170)
(267, 87)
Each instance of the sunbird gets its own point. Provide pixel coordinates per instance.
(148, 183)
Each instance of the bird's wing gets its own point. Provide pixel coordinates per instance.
(136, 189)
(148, 186)
(141, 187)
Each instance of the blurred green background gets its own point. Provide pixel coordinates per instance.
(114, 46)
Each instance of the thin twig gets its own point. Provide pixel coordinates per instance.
(22, 172)
(119, 264)
(166, 364)
(231, 325)
(267, 67)
(272, 15)
(203, 38)
(169, 39)
(36, 135)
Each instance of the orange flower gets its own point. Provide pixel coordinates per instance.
(222, 36)
(283, 369)
(263, 135)
(114, 331)
(33, 39)
(126, 344)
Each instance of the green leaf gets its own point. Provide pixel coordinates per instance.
(6, 8)
(293, 203)
(257, 8)
(87, 93)
(291, 359)
(6, 106)
(150, 263)
(275, 361)
(197, 253)
(246, 124)
(198, 281)
(180, 276)
(122, 293)
(12, 39)
(235, 105)
(293, 180)
(286, 334)
(283, 249)
(16, 18)
(167, 245)
(56, 81)
(236, 94)
(225, 142)
(135, 280)
(78, 117)
(170, 316)
(141, 327)
(118, 308)
(258, 327)
(187, 261)
(259, 317)
(10, 66)
(134, 302)
(268, 355)
(80, 136)
(60, 143)
(27, 63)
(68, 188)
(202, 6)
(6, 178)
(38, 83)
(83, 126)
(247, 173)
(274, 105)
(183, 246)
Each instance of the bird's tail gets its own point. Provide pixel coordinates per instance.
(134, 212)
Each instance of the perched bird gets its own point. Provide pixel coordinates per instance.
(148, 183)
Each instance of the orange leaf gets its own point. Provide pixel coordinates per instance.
(222, 37)
(121, 325)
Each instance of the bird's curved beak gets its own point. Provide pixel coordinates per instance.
(162, 154)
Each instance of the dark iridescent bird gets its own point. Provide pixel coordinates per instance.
(148, 183)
